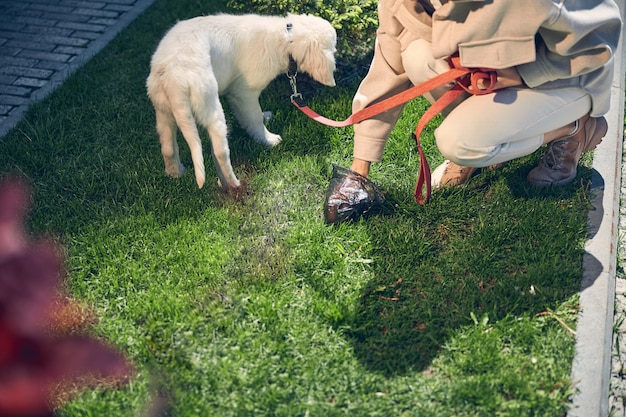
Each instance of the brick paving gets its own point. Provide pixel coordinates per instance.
(44, 41)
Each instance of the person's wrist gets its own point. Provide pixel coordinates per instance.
(361, 167)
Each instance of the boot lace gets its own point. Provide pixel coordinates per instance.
(556, 153)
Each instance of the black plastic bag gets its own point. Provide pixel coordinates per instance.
(350, 196)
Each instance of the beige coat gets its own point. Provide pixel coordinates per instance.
(552, 43)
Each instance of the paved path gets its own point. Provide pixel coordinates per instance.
(44, 41)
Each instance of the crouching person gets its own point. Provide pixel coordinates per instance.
(554, 72)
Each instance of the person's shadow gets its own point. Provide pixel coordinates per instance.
(478, 250)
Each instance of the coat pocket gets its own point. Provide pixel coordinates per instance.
(502, 52)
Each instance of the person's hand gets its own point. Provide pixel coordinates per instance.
(507, 77)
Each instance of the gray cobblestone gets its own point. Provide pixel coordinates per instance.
(7, 62)
(15, 90)
(84, 4)
(26, 72)
(6, 99)
(30, 13)
(29, 82)
(68, 41)
(47, 31)
(52, 8)
(96, 13)
(92, 36)
(8, 50)
(6, 34)
(7, 79)
(37, 21)
(35, 46)
(9, 10)
(45, 56)
(82, 26)
(51, 66)
(118, 8)
(102, 21)
(70, 50)
(33, 37)
(11, 25)
(126, 2)
(66, 17)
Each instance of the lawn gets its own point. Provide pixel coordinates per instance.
(252, 306)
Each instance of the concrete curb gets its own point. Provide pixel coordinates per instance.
(591, 368)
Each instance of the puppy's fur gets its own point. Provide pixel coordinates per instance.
(203, 58)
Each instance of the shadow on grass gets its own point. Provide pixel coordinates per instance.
(496, 247)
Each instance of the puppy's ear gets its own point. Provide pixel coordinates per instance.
(318, 62)
(313, 48)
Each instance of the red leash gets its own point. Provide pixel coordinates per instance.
(466, 79)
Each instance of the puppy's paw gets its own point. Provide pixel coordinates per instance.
(272, 139)
(175, 170)
(234, 185)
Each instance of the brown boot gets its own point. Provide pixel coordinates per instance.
(560, 160)
(451, 174)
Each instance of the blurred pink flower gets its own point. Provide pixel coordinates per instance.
(37, 358)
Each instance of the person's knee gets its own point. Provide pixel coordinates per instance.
(419, 63)
(454, 145)
(447, 142)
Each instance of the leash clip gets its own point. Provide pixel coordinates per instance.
(294, 87)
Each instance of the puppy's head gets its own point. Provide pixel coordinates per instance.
(313, 46)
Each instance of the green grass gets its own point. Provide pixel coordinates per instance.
(253, 306)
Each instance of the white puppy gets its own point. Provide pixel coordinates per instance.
(203, 58)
